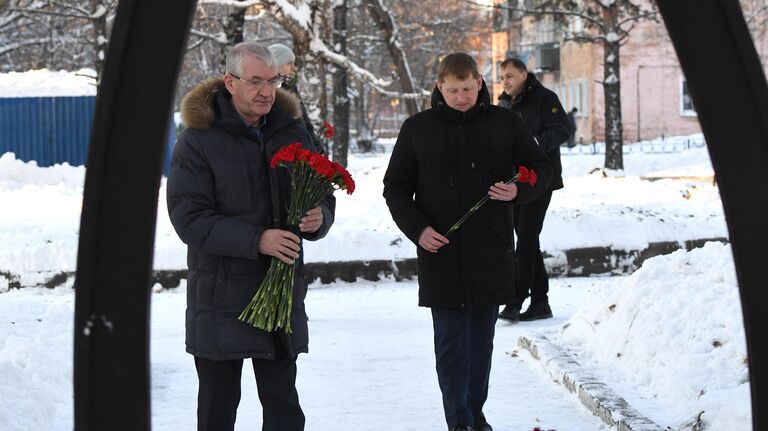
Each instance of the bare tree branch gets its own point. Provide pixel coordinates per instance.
(319, 48)
(232, 3)
(650, 15)
(385, 20)
(5, 49)
(219, 38)
(53, 13)
(539, 12)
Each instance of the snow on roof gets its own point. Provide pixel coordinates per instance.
(46, 83)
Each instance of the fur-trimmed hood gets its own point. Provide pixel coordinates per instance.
(198, 107)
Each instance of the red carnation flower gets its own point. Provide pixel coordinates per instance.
(327, 130)
(526, 175)
(313, 177)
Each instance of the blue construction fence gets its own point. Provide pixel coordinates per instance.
(51, 130)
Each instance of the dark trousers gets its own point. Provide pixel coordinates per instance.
(531, 275)
(219, 393)
(463, 350)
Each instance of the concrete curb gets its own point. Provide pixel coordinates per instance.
(568, 263)
(597, 397)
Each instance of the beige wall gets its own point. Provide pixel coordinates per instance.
(648, 58)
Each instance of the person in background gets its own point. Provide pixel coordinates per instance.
(545, 118)
(574, 127)
(444, 160)
(286, 66)
(228, 206)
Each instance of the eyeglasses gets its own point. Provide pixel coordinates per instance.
(259, 84)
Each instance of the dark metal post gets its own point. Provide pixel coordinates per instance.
(117, 227)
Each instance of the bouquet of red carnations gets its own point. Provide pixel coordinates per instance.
(523, 175)
(313, 176)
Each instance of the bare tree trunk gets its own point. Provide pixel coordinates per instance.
(100, 38)
(325, 31)
(340, 96)
(386, 22)
(614, 131)
(364, 133)
(232, 25)
(312, 68)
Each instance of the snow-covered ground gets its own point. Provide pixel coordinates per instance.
(48, 83)
(671, 337)
(668, 338)
(370, 365)
(623, 210)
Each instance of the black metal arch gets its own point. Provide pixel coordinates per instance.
(117, 227)
(124, 164)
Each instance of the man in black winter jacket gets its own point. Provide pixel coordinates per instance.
(446, 159)
(230, 208)
(543, 114)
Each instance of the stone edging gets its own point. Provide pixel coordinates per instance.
(598, 398)
(568, 263)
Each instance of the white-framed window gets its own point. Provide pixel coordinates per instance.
(686, 102)
(576, 101)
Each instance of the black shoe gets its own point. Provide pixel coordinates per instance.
(462, 428)
(481, 424)
(536, 312)
(510, 313)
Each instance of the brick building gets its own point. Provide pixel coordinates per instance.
(654, 97)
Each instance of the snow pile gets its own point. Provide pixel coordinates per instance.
(15, 174)
(671, 339)
(36, 358)
(40, 219)
(40, 234)
(46, 83)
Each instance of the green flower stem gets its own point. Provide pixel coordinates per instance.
(270, 308)
(472, 210)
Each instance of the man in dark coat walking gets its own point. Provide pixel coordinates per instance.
(229, 207)
(446, 159)
(544, 117)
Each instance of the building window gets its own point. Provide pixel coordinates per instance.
(549, 57)
(686, 102)
(584, 109)
(576, 102)
(549, 29)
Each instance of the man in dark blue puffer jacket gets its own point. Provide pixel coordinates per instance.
(229, 207)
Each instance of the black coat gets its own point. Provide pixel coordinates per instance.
(544, 116)
(443, 162)
(221, 196)
(305, 120)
